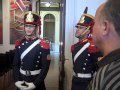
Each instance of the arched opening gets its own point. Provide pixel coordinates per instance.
(49, 27)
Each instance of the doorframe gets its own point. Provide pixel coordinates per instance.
(62, 44)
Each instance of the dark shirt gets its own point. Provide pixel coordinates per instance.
(108, 74)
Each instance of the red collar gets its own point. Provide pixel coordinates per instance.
(30, 38)
(83, 40)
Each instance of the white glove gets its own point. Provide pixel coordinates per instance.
(30, 86)
(19, 84)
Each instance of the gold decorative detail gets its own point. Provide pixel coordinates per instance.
(82, 19)
(30, 17)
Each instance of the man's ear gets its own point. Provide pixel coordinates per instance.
(105, 27)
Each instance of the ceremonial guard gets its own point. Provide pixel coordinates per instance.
(84, 54)
(32, 56)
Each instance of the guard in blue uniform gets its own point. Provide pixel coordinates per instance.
(84, 54)
(32, 57)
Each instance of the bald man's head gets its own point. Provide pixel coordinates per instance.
(99, 13)
(110, 11)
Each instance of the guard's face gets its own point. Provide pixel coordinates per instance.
(30, 29)
(81, 31)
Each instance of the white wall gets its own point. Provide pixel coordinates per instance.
(6, 28)
(74, 9)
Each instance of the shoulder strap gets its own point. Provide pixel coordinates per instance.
(81, 50)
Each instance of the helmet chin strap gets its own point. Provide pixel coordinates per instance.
(83, 34)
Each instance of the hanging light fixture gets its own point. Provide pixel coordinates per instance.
(47, 4)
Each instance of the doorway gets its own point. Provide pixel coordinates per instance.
(53, 28)
(49, 27)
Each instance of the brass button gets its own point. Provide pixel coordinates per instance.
(83, 68)
(37, 61)
(38, 56)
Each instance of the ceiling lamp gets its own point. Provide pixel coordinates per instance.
(47, 4)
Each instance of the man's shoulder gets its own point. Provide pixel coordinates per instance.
(44, 43)
(109, 74)
(17, 43)
(73, 46)
(110, 69)
(113, 66)
(92, 47)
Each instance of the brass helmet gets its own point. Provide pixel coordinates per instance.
(86, 20)
(32, 18)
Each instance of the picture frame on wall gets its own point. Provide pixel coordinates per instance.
(1, 24)
(17, 10)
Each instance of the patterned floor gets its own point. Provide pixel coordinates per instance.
(53, 74)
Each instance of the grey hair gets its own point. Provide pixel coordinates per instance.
(111, 12)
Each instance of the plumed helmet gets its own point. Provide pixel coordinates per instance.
(31, 18)
(86, 20)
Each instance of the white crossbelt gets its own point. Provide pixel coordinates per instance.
(28, 73)
(81, 75)
(81, 50)
(29, 48)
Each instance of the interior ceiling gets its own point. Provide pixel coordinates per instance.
(50, 0)
(53, 3)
